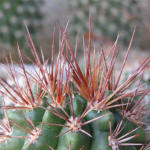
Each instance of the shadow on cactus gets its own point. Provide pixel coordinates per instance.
(59, 106)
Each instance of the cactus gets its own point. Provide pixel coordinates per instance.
(61, 107)
(12, 17)
(109, 18)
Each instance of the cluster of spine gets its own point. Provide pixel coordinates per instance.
(109, 17)
(61, 107)
(13, 15)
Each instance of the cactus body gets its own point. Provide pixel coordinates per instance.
(100, 141)
(14, 143)
(77, 140)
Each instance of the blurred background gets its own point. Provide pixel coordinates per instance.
(110, 17)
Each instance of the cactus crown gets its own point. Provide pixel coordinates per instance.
(58, 105)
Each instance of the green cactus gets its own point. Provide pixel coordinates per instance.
(110, 17)
(62, 107)
(13, 14)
